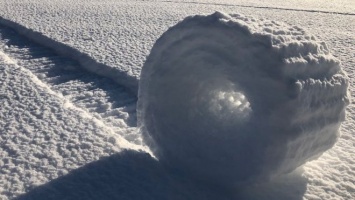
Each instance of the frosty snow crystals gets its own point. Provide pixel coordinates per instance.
(232, 99)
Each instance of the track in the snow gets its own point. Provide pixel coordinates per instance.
(261, 7)
(100, 96)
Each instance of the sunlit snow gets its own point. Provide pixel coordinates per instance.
(69, 75)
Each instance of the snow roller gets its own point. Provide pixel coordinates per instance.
(231, 99)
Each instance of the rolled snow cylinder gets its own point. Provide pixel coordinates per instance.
(230, 99)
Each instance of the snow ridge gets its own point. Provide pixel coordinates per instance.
(121, 77)
(123, 143)
(43, 135)
(99, 96)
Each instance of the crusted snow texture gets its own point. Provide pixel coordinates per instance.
(232, 99)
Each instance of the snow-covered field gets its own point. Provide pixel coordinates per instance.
(68, 99)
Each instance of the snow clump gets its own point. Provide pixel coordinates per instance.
(231, 99)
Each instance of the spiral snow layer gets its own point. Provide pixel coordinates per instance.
(232, 99)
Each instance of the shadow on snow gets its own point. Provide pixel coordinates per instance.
(136, 175)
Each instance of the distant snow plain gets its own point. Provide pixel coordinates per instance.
(112, 39)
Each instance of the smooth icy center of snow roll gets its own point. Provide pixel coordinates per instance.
(233, 104)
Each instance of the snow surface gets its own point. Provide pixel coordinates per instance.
(37, 138)
(233, 99)
(332, 6)
(113, 36)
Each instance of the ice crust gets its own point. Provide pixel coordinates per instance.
(232, 99)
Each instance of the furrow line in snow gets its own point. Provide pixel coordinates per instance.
(96, 96)
(86, 61)
(69, 105)
(262, 7)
